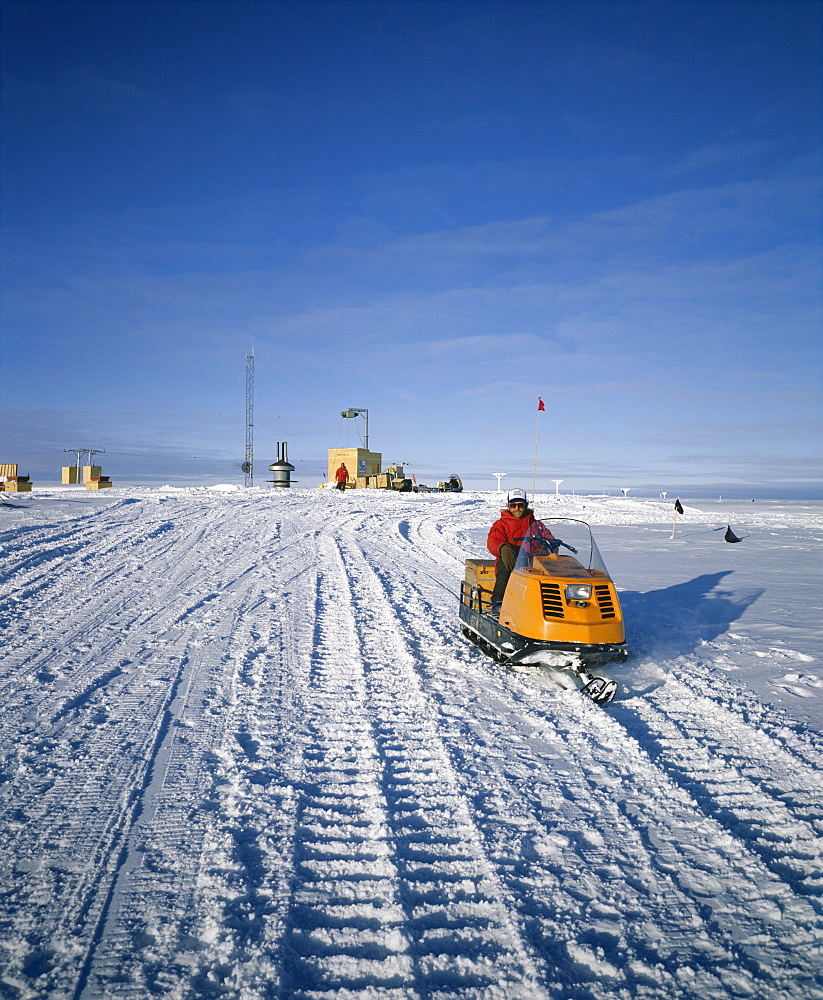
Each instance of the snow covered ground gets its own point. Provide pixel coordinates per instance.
(247, 753)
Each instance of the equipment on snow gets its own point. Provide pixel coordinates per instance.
(560, 608)
(281, 468)
(730, 536)
(453, 484)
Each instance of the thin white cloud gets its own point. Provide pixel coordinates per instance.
(718, 154)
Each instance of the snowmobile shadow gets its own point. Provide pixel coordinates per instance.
(677, 620)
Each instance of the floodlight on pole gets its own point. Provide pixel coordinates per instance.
(499, 476)
(357, 412)
(557, 483)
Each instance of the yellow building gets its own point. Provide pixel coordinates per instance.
(12, 482)
(359, 462)
(93, 479)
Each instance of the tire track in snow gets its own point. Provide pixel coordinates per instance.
(156, 767)
(232, 941)
(343, 927)
(120, 723)
(770, 798)
(158, 930)
(107, 607)
(223, 933)
(91, 802)
(393, 891)
(420, 765)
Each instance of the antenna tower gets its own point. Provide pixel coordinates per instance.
(248, 465)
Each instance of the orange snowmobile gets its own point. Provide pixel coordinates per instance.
(560, 608)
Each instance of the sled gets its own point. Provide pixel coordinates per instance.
(560, 609)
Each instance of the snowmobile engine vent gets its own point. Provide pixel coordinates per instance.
(552, 603)
(604, 600)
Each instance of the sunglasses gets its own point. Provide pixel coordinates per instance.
(517, 503)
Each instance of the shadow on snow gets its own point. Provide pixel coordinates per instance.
(676, 620)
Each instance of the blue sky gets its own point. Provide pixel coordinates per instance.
(435, 210)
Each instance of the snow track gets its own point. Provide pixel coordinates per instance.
(246, 753)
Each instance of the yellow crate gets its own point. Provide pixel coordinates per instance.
(480, 572)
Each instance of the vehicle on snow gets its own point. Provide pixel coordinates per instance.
(560, 608)
(453, 484)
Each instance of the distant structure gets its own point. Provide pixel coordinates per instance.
(93, 478)
(11, 481)
(498, 476)
(92, 475)
(248, 464)
(557, 483)
(364, 466)
(281, 469)
(72, 476)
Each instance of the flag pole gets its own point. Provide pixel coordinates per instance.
(678, 509)
(540, 408)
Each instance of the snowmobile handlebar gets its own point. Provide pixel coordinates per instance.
(546, 546)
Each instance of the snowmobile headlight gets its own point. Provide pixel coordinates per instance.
(578, 592)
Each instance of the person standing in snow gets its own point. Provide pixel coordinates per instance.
(505, 538)
(341, 476)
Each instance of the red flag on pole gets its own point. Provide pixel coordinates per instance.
(540, 405)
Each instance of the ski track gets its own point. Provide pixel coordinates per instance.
(248, 754)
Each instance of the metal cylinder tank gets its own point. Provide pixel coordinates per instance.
(281, 470)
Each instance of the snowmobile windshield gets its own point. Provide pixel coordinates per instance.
(564, 536)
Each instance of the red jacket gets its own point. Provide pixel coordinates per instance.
(342, 475)
(511, 530)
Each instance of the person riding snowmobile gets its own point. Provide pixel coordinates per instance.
(505, 538)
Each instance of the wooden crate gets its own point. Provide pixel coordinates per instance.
(481, 572)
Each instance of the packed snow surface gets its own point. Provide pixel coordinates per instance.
(247, 753)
